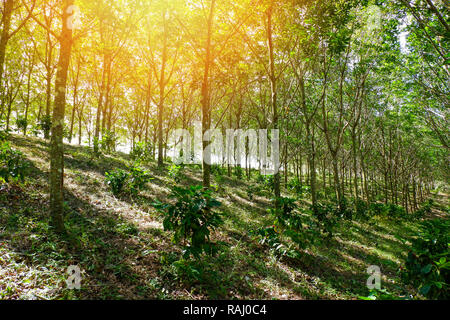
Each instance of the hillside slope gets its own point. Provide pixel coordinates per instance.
(120, 244)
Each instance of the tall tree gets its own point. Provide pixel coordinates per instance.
(56, 143)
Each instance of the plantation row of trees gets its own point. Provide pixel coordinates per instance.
(358, 89)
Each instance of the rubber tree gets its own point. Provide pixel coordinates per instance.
(56, 143)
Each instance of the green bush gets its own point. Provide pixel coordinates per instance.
(428, 264)
(378, 209)
(269, 236)
(389, 210)
(345, 210)
(21, 123)
(199, 273)
(252, 190)
(187, 271)
(138, 178)
(218, 173)
(217, 170)
(327, 216)
(12, 163)
(268, 182)
(192, 219)
(108, 141)
(116, 180)
(176, 172)
(288, 205)
(140, 152)
(135, 179)
(238, 172)
(66, 132)
(35, 130)
(45, 124)
(396, 211)
(425, 209)
(362, 209)
(297, 187)
(4, 135)
(288, 223)
(220, 180)
(285, 209)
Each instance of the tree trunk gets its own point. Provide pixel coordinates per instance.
(48, 94)
(7, 13)
(27, 102)
(56, 144)
(312, 166)
(162, 86)
(273, 96)
(337, 183)
(206, 110)
(355, 168)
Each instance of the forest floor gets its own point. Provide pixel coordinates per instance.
(124, 253)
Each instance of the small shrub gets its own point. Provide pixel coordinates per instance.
(35, 130)
(288, 223)
(345, 210)
(186, 271)
(362, 209)
(220, 180)
(176, 173)
(217, 170)
(396, 211)
(140, 152)
(45, 124)
(21, 123)
(378, 209)
(298, 188)
(218, 173)
(268, 182)
(12, 163)
(193, 273)
(269, 236)
(428, 264)
(108, 141)
(192, 219)
(138, 178)
(425, 209)
(238, 172)
(389, 210)
(295, 185)
(135, 180)
(4, 135)
(327, 216)
(252, 190)
(116, 180)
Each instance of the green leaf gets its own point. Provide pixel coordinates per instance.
(426, 269)
(425, 289)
